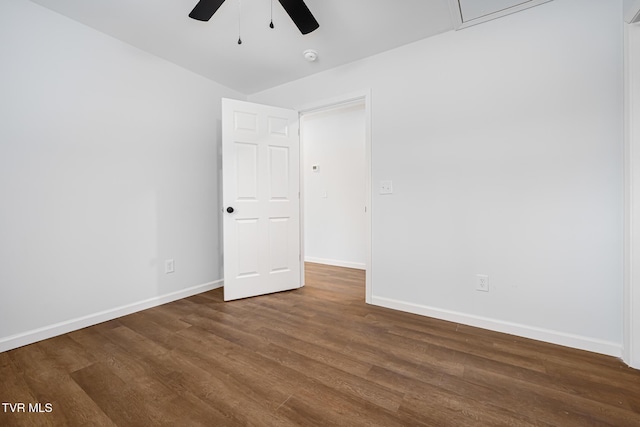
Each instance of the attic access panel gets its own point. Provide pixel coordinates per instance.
(466, 13)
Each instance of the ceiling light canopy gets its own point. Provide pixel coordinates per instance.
(310, 55)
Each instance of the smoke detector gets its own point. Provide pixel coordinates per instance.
(310, 55)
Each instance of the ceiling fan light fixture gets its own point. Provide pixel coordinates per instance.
(310, 55)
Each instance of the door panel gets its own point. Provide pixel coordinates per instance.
(279, 172)
(247, 232)
(261, 182)
(247, 171)
(279, 245)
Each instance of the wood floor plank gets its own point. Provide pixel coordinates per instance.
(48, 381)
(124, 403)
(445, 397)
(588, 411)
(580, 386)
(232, 402)
(266, 377)
(316, 352)
(246, 386)
(334, 378)
(315, 356)
(14, 389)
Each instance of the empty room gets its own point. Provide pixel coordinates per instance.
(319, 212)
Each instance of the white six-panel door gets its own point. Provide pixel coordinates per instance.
(261, 205)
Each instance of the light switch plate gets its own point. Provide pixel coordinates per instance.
(386, 187)
(169, 266)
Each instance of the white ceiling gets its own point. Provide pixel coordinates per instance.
(349, 30)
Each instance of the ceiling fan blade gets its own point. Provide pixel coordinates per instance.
(205, 9)
(300, 15)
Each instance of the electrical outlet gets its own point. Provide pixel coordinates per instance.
(482, 282)
(169, 266)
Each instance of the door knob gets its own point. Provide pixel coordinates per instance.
(230, 209)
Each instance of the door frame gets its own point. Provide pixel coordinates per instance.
(631, 295)
(329, 104)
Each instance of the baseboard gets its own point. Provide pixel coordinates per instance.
(546, 335)
(347, 264)
(29, 337)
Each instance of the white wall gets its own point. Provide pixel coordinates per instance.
(334, 196)
(504, 144)
(108, 166)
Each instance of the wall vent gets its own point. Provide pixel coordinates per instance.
(466, 13)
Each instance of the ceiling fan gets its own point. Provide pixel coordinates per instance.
(297, 10)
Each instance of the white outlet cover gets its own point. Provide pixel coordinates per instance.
(482, 282)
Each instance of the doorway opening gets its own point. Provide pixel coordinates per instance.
(335, 185)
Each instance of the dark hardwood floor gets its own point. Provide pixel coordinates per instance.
(314, 356)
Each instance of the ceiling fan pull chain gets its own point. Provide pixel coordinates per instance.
(271, 23)
(239, 10)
